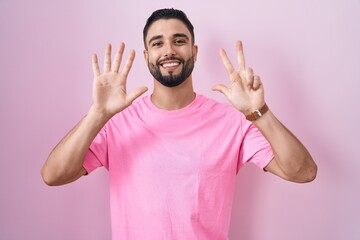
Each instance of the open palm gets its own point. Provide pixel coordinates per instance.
(109, 88)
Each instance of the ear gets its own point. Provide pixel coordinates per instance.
(146, 55)
(195, 52)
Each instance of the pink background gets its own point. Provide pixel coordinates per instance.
(307, 52)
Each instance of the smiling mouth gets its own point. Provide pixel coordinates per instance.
(170, 63)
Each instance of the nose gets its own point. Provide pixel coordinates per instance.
(169, 50)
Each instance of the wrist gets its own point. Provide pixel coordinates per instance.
(258, 113)
(97, 115)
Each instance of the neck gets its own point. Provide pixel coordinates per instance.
(172, 98)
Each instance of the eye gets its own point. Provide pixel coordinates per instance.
(156, 44)
(180, 41)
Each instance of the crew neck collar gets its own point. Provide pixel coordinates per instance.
(192, 105)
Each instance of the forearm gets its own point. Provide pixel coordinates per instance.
(292, 160)
(246, 93)
(65, 161)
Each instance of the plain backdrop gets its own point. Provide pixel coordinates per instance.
(307, 53)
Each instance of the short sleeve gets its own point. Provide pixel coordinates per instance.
(254, 147)
(97, 155)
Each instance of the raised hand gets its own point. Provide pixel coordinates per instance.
(245, 92)
(109, 87)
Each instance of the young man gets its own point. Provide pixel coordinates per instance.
(173, 156)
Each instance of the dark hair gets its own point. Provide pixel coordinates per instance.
(168, 13)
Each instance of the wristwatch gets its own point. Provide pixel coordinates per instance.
(257, 114)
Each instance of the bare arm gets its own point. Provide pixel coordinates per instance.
(64, 163)
(292, 160)
(246, 93)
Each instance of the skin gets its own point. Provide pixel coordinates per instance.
(245, 92)
(171, 38)
(163, 41)
(64, 164)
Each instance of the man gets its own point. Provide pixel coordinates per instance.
(173, 156)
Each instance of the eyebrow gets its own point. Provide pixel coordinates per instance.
(175, 35)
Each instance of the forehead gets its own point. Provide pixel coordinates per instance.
(167, 28)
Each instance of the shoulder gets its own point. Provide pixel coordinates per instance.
(222, 113)
(138, 108)
(219, 107)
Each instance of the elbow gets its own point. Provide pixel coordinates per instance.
(48, 177)
(56, 176)
(311, 173)
(52, 176)
(306, 174)
(310, 170)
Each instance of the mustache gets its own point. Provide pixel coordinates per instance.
(170, 59)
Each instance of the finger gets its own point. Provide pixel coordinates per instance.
(128, 63)
(221, 88)
(107, 58)
(135, 94)
(95, 65)
(257, 82)
(240, 55)
(118, 56)
(249, 77)
(226, 61)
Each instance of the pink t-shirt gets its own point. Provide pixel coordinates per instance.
(172, 173)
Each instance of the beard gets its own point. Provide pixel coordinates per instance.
(172, 80)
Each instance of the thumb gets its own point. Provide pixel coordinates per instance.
(221, 88)
(135, 94)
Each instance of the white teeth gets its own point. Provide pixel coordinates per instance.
(172, 64)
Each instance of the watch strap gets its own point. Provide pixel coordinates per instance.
(257, 113)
